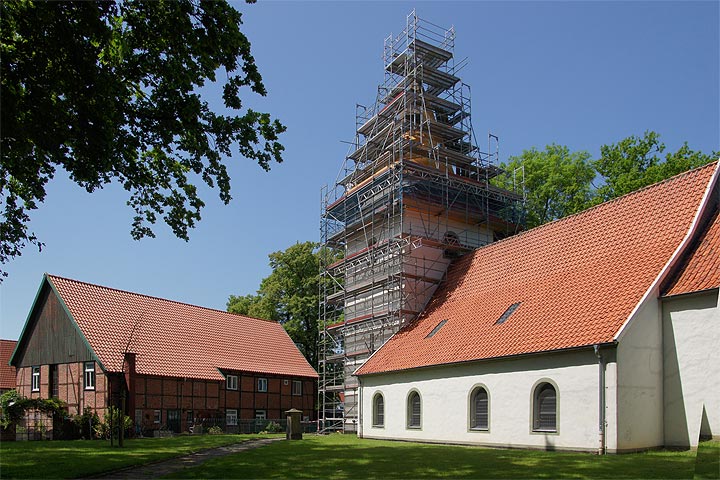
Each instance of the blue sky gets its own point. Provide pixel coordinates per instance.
(580, 74)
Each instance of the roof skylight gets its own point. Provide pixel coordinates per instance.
(507, 313)
(435, 330)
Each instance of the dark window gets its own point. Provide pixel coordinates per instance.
(54, 390)
(479, 413)
(231, 382)
(378, 410)
(262, 384)
(545, 408)
(413, 412)
(436, 329)
(507, 313)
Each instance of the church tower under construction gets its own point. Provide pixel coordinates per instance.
(414, 193)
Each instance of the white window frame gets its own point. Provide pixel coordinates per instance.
(260, 414)
(297, 387)
(231, 418)
(475, 425)
(89, 375)
(262, 384)
(35, 386)
(231, 382)
(157, 416)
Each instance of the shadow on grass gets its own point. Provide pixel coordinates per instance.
(346, 457)
(707, 464)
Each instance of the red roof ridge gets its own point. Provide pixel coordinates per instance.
(51, 276)
(604, 204)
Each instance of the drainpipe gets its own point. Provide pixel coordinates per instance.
(601, 398)
(360, 409)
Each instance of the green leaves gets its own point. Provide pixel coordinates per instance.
(558, 182)
(289, 295)
(117, 100)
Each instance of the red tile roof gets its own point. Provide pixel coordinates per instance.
(577, 280)
(701, 270)
(176, 339)
(7, 372)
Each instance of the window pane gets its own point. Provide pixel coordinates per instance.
(480, 410)
(546, 409)
(379, 411)
(414, 410)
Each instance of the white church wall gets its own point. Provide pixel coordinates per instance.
(445, 395)
(639, 380)
(691, 336)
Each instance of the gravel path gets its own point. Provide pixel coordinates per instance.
(165, 467)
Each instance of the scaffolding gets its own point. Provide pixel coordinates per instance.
(413, 193)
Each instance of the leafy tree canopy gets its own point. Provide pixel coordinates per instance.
(109, 91)
(289, 295)
(559, 182)
(636, 162)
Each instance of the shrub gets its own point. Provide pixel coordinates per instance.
(215, 430)
(273, 427)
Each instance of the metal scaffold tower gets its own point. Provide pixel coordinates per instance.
(413, 194)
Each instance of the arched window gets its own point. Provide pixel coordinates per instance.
(479, 409)
(413, 410)
(545, 408)
(378, 418)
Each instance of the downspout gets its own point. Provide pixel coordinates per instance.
(601, 399)
(360, 408)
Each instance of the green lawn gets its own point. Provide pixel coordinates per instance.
(80, 458)
(347, 457)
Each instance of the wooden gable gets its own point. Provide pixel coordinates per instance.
(50, 335)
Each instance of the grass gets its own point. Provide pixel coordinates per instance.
(81, 458)
(707, 464)
(347, 457)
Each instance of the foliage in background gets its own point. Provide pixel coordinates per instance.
(112, 417)
(117, 100)
(559, 183)
(289, 295)
(14, 406)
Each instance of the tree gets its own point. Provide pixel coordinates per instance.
(110, 91)
(289, 295)
(557, 182)
(635, 162)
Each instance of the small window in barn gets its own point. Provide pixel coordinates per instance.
(231, 382)
(260, 414)
(157, 416)
(507, 313)
(262, 385)
(35, 379)
(190, 417)
(413, 410)
(89, 375)
(230, 417)
(436, 329)
(297, 387)
(479, 409)
(378, 417)
(545, 407)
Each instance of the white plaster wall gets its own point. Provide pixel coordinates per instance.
(640, 379)
(691, 337)
(445, 398)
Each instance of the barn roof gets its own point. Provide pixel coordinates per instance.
(176, 339)
(571, 283)
(7, 372)
(701, 270)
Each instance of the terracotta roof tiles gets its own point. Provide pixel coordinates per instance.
(176, 339)
(701, 270)
(577, 279)
(7, 372)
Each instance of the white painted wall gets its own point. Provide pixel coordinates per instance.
(691, 337)
(445, 393)
(640, 380)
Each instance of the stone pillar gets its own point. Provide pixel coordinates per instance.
(294, 428)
